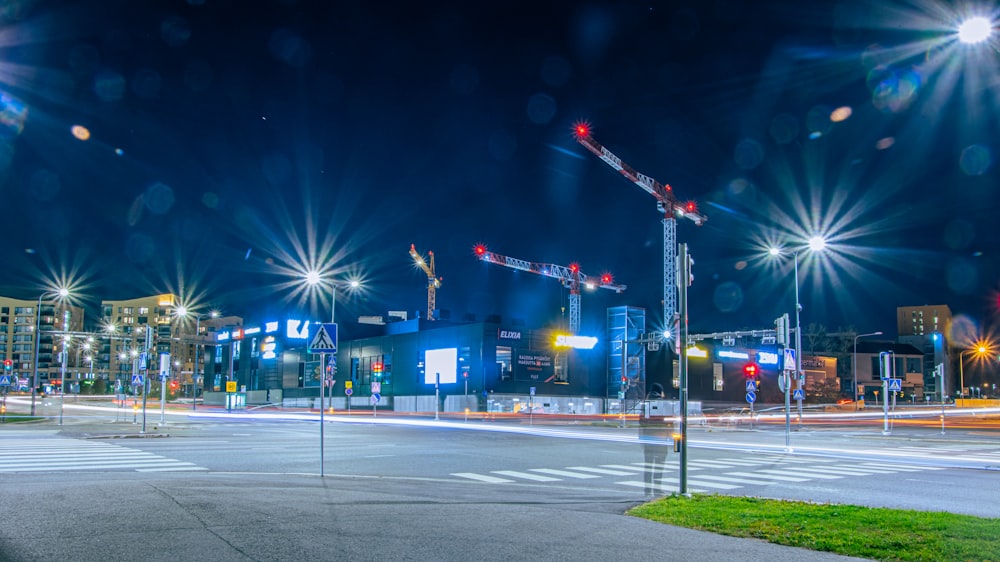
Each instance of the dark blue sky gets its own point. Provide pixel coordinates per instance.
(228, 144)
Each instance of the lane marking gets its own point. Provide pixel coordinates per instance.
(481, 477)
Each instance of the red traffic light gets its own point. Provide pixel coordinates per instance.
(7, 364)
(750, 370)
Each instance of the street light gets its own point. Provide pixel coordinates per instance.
(62, 293)
(975, 30)
(182, 311)
(854, 364)
(815, 244)
(980, 350)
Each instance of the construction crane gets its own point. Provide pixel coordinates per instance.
(571, 277)
(433, 281)
(666, 202)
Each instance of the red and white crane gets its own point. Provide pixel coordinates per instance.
(666, 202)
(433, 281)
(570, 276)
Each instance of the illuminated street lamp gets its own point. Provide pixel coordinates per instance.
(62, 293)
(980, 350)
(854, 364)
(182, 311)
(815, 244)
(975, 30)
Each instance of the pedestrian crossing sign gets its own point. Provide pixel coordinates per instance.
(798, 394)
(323, 338)
(136, 380)
(5, 380)
(895, 384)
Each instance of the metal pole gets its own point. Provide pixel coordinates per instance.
(961, 376)
(682, 255)
(854, 364)
(798, 339)
(145, 379)
(885, 406)
(194, 369)
(322, 394)
(62, 376)
(854, 367)
(437, 381)
(38, 336)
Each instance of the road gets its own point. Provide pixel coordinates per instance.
(397, 487)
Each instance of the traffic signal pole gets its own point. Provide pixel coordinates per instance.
(685, 280)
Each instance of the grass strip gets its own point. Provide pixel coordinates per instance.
(866, 532)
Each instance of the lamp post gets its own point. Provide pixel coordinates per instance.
(62, 377)
(981, 349)
(183, 311)
(854, 364)
(816, 244)
(61, 293)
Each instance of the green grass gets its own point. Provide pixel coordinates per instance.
(874, 533)
(16, 418)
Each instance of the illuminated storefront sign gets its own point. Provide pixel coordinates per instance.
(767, 358)
(297, 330)
(268, 347)
(726, 354)
(509, 334)
(576, 342)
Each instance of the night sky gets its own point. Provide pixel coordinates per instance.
(219, 150)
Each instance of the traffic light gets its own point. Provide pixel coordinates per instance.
(7, 365)
(751, 370)
(624, 381)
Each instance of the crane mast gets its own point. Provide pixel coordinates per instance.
(433, 281)
(666, 202)
(570, 276)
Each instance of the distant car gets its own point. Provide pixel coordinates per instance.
(843, 401)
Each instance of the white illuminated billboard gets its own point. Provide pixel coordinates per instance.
(441, 362)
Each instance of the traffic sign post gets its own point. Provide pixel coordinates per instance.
(789, 368)
(886, 360)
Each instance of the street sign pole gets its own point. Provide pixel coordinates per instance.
(322, 400)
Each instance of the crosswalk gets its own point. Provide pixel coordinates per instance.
(726, 473)
(58, 454)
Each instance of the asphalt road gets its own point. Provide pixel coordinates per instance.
(239, 489)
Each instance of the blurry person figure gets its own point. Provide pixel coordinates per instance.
(654, 436)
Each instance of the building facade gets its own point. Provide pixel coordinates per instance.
(31, 329)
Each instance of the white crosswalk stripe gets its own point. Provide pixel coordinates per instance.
(658, 487)
(566, 473)
(755, 473)
(60, 454)
(525, 475)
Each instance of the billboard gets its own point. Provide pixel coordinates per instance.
(533, 366)
(443, 363)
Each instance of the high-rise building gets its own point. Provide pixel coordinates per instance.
(43, 325)
(928, 328)
(134, 327)
(923, 320)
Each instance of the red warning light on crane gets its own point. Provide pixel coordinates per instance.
(574, 267)
(690, 207)
(582, 129)
(479, 249)
(606, 279)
